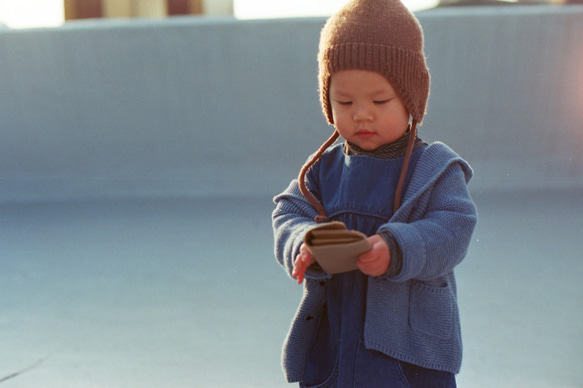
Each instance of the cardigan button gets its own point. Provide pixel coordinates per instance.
(309, 318)
(323, 283)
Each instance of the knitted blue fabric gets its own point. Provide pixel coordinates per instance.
(413, 315)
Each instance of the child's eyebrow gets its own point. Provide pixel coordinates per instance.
(374, 93)
(340, 93)
(380, 91)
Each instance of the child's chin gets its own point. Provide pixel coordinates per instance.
(367, 146)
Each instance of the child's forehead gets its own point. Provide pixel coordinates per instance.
(348, 81)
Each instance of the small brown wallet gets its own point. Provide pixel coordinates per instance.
(335, 248)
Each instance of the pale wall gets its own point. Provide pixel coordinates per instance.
(194, 106)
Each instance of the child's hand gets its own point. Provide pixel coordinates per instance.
(376, 261)
(303, 261)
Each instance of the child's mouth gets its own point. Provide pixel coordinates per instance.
(365, 134)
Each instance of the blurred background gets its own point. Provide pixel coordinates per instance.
(45, 13)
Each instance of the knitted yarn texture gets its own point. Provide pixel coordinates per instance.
(381, 36)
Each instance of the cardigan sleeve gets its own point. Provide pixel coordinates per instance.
(291, 219)
(436, 235)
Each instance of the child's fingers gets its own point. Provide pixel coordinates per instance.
(299, 268)
(301, 276)
(366, 263)
(305, 254)
(372, 265)
(371, 269)
(376, 261)
(367, 257)
(297, 264)
(299, 271)
(301, 264)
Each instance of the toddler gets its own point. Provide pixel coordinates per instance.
(394, 321)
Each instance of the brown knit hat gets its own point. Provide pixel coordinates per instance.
(375, 35)
(381, 36)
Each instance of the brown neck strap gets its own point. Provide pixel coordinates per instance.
(321, 217)
(410, 144)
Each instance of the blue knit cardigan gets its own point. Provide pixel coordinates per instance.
(412, 316)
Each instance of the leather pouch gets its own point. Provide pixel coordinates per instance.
(335, 248)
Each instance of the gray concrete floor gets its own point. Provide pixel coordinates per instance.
(186, 293)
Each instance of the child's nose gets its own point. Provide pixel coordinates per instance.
(362, 113)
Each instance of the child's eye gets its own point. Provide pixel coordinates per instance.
(345, 103)
(380, 102)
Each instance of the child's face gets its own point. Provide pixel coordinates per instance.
(366, 110)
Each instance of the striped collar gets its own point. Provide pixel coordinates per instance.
(392, 150)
